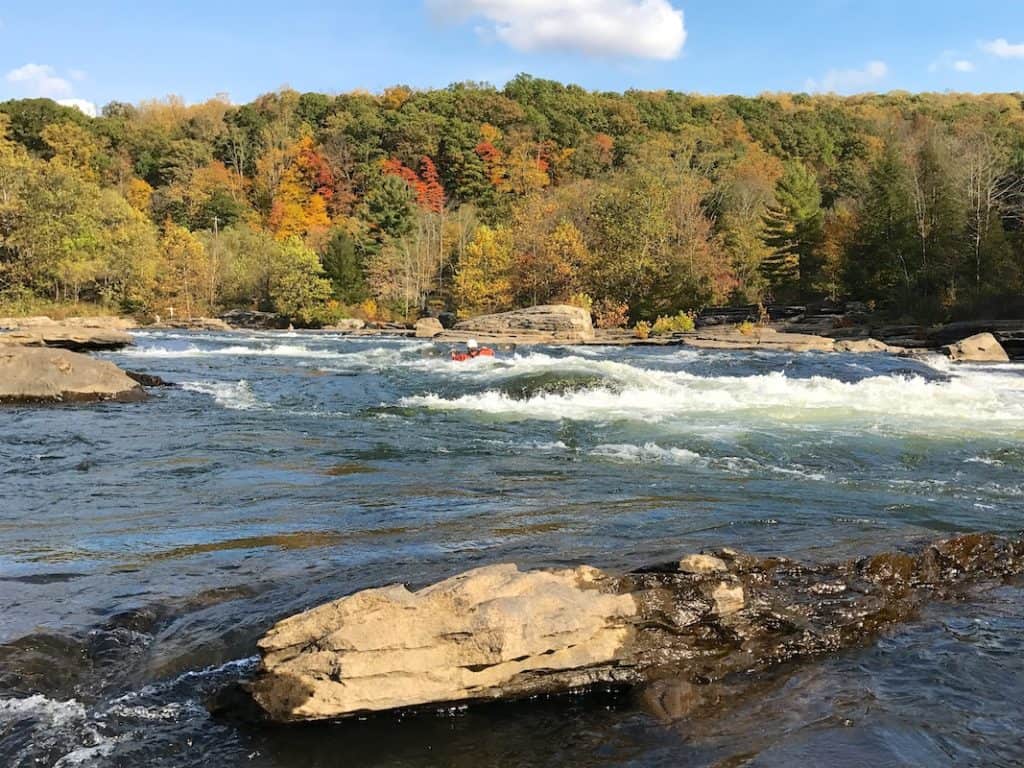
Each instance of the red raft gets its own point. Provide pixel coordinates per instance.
(462, 357)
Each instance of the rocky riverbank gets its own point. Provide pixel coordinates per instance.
(680, 630)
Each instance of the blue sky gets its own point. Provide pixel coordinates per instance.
(105, 50)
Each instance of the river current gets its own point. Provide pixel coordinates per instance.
(144, 548)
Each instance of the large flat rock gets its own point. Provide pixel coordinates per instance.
(40, 375)
(68, 337)
(702, 622)
(79, 334)
(487, 633)
(759, 338)
(547, 323)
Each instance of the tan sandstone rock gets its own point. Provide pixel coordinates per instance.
(546, 323)
(428, 328)
(729, 598)
(346, 324)
(64, 336)
(982, 348)
(862, 346)
(760, 338)
(29, 374)
(702, 564)
(490, 632)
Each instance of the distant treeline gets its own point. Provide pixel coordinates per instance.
(475, 199)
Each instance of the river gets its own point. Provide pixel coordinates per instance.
(144, 548)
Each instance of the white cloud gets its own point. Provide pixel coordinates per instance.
(1004, 49)
(850, 80)
(646, 29)
(42, 80)
(39, 80)
(951, 60)
(83, 106)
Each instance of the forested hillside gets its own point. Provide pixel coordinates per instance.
(475, 199)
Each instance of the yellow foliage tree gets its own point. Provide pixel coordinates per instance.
(186, 274)
(482, 282)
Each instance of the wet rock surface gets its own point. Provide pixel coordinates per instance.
(689, 633)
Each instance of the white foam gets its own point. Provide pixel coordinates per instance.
(970, 401)
(652, 453)
(56, 714)
(234, 395)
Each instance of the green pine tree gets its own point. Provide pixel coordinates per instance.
(793, 232)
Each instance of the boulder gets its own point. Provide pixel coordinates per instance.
(31, 375)
(982, 348)
(428, 328)
(492, 632)
(706, 620)
(253, 320)
(547, 323)
(346, 325)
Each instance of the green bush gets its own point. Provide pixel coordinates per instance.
(681, 323)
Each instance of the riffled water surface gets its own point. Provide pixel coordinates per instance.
(144, 548)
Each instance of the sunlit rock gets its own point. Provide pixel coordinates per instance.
(982, 348)
(34, 375)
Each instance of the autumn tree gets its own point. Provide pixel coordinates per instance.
(184, 274)
(298, 287)
(483, 281)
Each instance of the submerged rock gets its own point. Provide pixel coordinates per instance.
(681, 630)
(981, 348)
(32, 375)
(148, 380)
(546, 323)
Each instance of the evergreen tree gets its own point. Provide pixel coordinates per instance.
(344, 268)
(793, 231)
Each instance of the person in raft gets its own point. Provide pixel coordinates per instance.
(473, 350)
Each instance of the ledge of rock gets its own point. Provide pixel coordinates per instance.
(691, 624)
(760, 338)
(70, 338)
(34, 375)
(981, 348)
(85, 334)
(547, 323)
(194, 324)
(866, 346)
